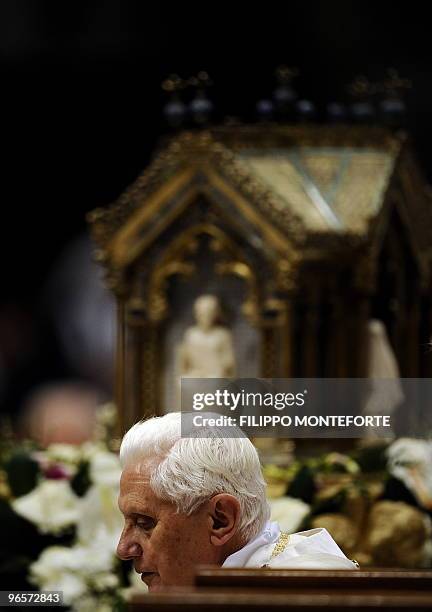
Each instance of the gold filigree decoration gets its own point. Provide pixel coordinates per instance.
(219, 147)
(158, 303)
(176, 261)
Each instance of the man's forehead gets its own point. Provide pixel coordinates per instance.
(137, 472)
(136, 475)
(135, 490)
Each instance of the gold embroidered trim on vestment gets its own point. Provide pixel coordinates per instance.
(280, 546)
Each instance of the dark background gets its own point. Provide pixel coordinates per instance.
(81, 113)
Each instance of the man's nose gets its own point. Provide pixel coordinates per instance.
(127, 548)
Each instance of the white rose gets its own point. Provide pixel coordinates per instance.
(51, 506)
(289, 512)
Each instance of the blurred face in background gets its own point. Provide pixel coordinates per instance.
(60, 414)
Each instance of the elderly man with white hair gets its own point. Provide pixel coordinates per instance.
(189, 501)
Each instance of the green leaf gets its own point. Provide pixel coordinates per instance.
(22, 472)
(81, 482)
(372, 458)
(331, 504)
(303, 485)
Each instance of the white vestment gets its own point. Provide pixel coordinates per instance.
(313, 549)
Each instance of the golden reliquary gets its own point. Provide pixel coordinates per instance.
(302, 234)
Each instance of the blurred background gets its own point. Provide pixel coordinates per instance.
(82, 112)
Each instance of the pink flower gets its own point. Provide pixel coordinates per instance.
(56, 472)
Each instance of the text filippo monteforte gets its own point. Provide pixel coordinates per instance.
(285, 420)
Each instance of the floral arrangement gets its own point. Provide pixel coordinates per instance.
(61, 523)
(62, 502)
(375, 502)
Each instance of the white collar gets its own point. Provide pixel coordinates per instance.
(313, 541)
(268, 535)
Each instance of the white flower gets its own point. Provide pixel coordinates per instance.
(57, 569)
(51, 506)
(99, 516)
(87, 571)
(103, 543)
(289, 512)
(105, 469)
(410, 461)
(97, 558)
(68, 453)
(105, 581)
(91, 603)
(90, 449)
(76, 571)
(410, 451)
(71, 585)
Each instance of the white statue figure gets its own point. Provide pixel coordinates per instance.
(386, 389)
(206, 350)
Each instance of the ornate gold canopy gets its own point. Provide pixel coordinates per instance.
(293, 183)
(294, 211)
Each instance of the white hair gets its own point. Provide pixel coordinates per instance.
(190, 471)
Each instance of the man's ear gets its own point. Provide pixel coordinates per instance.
(224, 517)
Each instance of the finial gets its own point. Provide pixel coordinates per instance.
(200, 107)
(173, 83)
(175, 110)
(362, 90)
(394, 84)
(392, 105)
(285, 74)
(284, 95)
